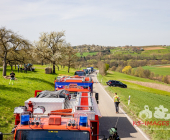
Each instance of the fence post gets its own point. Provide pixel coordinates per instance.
(129, 100)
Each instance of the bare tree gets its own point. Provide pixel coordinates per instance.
(49, 47)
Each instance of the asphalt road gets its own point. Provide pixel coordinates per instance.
(125, 128)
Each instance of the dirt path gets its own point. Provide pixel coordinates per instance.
(151, 85)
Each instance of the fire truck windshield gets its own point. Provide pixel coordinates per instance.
(51, 135)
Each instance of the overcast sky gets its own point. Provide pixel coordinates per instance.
(99, 22)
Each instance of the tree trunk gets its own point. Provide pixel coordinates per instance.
(53, 67)
(4, 64)
(68, 66)
(11, 66)
(15, 66)
(58, 67)
(42, 62)
(68, 69)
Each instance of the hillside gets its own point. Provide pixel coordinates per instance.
(122, 56)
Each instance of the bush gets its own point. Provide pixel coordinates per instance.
(139, 72)
(119, 69)
(127, 69)
(165, 79)
(152, 76)
(132, 72)
(107, 66)
(113, 68)
(147, 73)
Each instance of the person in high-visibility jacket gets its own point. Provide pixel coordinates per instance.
(116, 101)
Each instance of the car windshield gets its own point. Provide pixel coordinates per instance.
(51, 135)
(120, 83)
(80, 73)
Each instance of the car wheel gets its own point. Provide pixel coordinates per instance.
(124, 86)
(114, 85)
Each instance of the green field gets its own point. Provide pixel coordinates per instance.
(158, 69)
(140, 96)
(159, 51)
(86, 53)
(113, 50)
(12, 96)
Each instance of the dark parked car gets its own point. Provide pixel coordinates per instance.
(116, 84)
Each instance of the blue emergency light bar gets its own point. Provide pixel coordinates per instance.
(25, 119)
(83, 121)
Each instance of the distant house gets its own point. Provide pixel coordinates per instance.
(137, 49)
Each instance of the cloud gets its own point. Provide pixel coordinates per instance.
(19, 9)
(89, 20)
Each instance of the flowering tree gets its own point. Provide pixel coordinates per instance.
(49, 47)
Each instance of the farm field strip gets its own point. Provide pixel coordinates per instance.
(154, 48)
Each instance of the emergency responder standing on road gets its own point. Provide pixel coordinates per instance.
(116, 101)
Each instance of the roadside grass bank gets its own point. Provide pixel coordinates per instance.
(122, 76)
(15, 95)
(141, 96)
